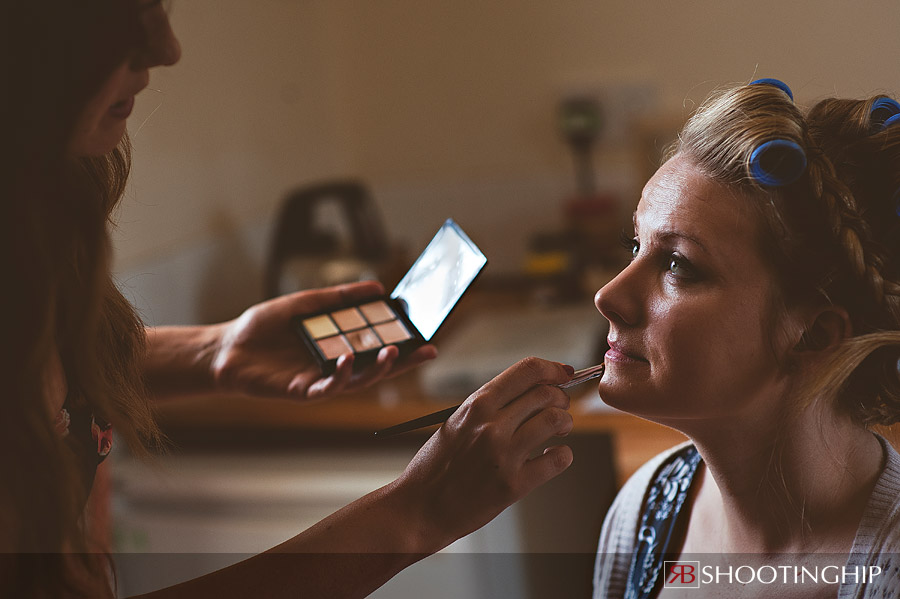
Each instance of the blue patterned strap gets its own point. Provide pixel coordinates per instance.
(658, 520)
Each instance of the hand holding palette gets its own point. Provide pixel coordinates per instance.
(409, 317)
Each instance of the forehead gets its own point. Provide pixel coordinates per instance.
(680, 199)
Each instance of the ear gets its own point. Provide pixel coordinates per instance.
(826, 329)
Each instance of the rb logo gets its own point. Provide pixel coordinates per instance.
(682, 575)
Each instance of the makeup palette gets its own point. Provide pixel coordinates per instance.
(355, 329)
(408, 317)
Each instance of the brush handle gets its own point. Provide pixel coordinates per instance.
(421, 422)
(441, 416)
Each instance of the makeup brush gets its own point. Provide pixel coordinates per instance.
(580, 376)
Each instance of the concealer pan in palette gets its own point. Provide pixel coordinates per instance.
(408, 317)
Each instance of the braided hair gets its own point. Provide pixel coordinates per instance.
(831, 231)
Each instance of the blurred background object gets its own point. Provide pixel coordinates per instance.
(443, 110)
(580, 121)
(569, 263)
(470, 110)
(308, 250)
(488, 341)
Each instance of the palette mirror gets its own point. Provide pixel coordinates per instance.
(408, 317)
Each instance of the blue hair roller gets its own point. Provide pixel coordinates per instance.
(775, 83)
(884, 113)
(777, 162)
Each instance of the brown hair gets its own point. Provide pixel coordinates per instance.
(59, 295)
(833, 235)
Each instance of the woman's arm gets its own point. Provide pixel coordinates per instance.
(349, 554)
(257, 354)
(178, 360)
(470, 470)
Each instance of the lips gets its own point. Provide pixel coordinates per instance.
(122, 109)
(620, 352)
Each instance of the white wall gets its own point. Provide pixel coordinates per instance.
(444, 108)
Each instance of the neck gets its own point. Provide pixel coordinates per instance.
(796, 484)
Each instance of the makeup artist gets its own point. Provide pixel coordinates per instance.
(77, 363)
(759, 315)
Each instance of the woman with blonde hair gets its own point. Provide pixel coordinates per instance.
(75, 360)
(759, 316)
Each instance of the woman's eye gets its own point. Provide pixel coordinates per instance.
(680, 267)
(631, 244)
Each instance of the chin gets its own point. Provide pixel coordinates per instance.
(627, 400)
(100, 143)
(617, 388)
(644, 403)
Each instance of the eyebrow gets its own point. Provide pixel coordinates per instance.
(668, 235)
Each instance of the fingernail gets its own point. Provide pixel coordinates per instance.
(569, 369)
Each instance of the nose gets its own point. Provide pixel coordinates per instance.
(168, 51)
(162, 48)
(619, 300)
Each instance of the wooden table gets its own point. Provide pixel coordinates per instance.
(359, 414)
(400, 399)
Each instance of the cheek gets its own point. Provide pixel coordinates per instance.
(722, 349)
(96, 132)
(709, 353)
(97, 137)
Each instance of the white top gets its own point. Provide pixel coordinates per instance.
(877, 541)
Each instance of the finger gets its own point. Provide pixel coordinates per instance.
(300, 384)
(538, 429)
(384, 361)
(315, 300)
(388, 364)
(353, 292)
(335, 382)
(520, 377)
(343, 373)
(546, 466)
(422, 354)
(538, 398)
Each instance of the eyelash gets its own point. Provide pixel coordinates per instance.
(672, 259)
(629, 243)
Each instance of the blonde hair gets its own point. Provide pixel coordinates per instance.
(833, 235)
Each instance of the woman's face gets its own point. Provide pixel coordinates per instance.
(102, 123)
(690, 318)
